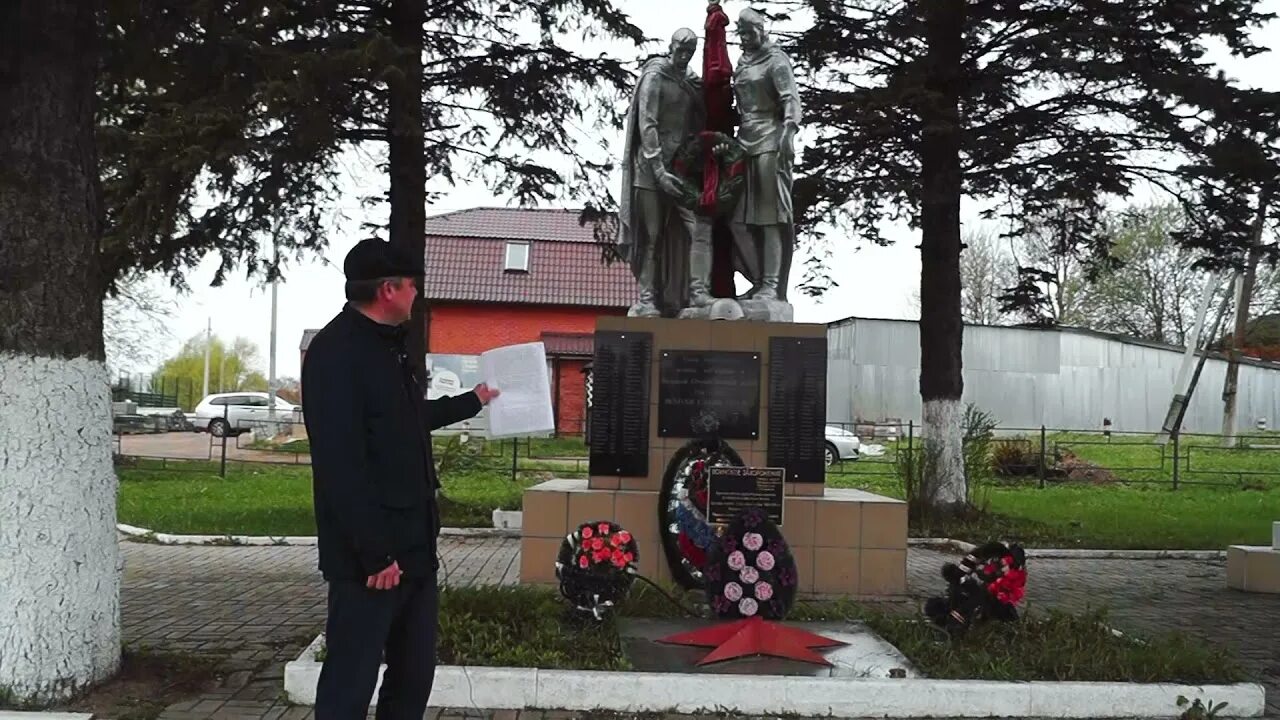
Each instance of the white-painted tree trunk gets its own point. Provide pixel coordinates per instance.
(943, 433)
(60, 561)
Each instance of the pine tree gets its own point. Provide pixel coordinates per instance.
(255, 103)
(142, 135)
(59, 557)
(1035, 108)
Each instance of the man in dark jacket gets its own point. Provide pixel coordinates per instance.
(375, 491)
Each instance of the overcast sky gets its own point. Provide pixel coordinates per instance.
(873, 281)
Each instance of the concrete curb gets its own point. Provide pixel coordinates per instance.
(505, 688)
(961, 547)
(41, 715)
(1072, 554)
(940, 544)
(138, 534)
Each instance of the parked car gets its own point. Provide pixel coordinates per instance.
(221, 413)
(842, 444)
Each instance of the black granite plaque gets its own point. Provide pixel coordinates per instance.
(703, 392)
(798, 407)
(619, 442)
(734, 489)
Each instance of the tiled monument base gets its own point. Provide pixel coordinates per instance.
(1255, 568)
(846, 542)
(655, 381)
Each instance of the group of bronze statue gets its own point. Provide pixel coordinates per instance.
(667, 243)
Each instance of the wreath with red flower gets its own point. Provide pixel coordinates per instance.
(988, 583)
(682, 511)
(596, 566)
(696, 534)
(689, 166)
(750, 570)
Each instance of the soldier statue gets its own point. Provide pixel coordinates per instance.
(668, 246)
(768, 108)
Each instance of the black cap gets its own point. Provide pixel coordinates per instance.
(372, 259)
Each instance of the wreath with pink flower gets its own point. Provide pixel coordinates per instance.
(750, 570)
(596, 566)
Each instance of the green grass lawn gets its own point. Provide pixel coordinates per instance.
(1225, 496)
(1201, 458)
(1109, 515)
(261, 499)
(267, 500)
(1144, 516)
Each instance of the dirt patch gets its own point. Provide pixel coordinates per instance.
(148, 682)
(1071, 467)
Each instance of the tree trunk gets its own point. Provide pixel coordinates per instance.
(1232, 382)
(941, 323)
(59, 554)
(406, 155)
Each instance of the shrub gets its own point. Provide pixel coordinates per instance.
(457, 456)
(1013, 458)
(979, 431)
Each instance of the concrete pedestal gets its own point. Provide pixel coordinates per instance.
(1255, 568)
(846, 543)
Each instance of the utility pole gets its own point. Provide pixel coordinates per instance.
(271, 372)
(1175, 428)
(1244, 297)
(208, 342)
(1180, 391)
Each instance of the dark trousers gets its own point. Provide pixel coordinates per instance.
(362, 626)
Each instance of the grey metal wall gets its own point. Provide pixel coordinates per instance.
(1028, 378)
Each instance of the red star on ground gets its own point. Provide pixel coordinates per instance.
(755, 636)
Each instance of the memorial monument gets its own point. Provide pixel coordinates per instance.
(695, 378)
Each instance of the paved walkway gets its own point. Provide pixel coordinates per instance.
(262, 605)
(202, 446)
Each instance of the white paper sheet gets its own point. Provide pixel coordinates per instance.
(523, 407)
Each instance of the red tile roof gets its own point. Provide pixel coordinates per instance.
(466, 250)
(514, 223)
(569, 344)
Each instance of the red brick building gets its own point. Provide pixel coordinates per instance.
(499, 276)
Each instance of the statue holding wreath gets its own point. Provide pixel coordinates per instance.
(666, 243)
(684, 173)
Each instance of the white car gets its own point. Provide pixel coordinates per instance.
(841, 445)
(220, 412)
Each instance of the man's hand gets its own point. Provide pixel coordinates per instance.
(387, 579)
(669, 184)
(486, 393)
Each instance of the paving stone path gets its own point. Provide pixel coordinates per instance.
(261, 605)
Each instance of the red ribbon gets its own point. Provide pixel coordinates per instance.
(710, 172)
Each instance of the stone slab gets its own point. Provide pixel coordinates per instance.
(507, 688)
(866, 655)
(754, 310)
(1253, 568)
(768, 310)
